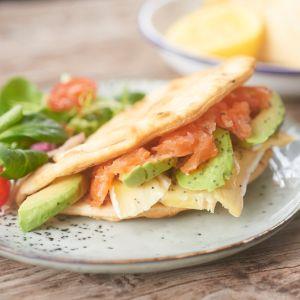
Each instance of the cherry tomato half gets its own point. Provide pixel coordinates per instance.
(72, 94)
(4, 190)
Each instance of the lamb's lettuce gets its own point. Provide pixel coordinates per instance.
(35, 128)
(89, 121)
(26, 119)
(19, 91)
(17, 163)
(128, 97)
(60, 117)
(11, 117)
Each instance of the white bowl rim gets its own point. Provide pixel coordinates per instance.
(147, 29)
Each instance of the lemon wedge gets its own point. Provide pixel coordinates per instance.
(222, 30)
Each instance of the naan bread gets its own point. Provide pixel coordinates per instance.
(262, 165)
(106, 211)
(180, 102)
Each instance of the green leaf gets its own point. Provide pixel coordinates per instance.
(18, 163)
(11, 117)
(35, 128)
(91, 122)
(20, 91)
(129, 98)
(60, 117)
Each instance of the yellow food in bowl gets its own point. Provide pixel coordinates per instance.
(282, 42)
(219, 30)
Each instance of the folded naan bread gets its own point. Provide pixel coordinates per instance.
(193, 108)
(180, 102)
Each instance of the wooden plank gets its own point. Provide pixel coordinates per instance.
(96, 38)
(270, 270)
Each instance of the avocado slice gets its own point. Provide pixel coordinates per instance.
(147, 171)
(266, 122)
(212, 174)
(48, 202)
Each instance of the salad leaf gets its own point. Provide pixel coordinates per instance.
(129, 98)
(90, 122)
(18, 90)
(11, 117)
(24, 144)
(60, 117)
(97, 113)
(34, 128)
(18, 163)
(87, 120)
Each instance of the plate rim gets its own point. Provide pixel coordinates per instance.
(253, 239)
(92, 262)
(138, 268)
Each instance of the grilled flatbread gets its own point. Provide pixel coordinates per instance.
(182, 101)
(106, 211)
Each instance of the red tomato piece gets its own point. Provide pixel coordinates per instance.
(72, 94)
(4, 190)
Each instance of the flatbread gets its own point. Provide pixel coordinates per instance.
(106, 211)
(179, 103)
(262, 165)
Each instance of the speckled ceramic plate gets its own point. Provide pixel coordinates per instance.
(85, 245)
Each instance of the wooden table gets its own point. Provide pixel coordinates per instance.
(42, 39)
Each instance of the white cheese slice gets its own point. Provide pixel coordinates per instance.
(182, 198)
(230, 196)
(132, 201)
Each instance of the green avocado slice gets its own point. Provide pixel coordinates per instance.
(266, 122)
(48, 202)
(212, 174)
(146, 172)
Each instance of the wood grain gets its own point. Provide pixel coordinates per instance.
(42, 39)
(267, 271)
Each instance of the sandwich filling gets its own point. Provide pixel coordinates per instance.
(200, 156)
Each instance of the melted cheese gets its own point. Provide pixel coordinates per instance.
(230, 196)
(132, 201)
(182, 198)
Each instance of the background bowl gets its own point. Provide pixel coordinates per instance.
(156, 16)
